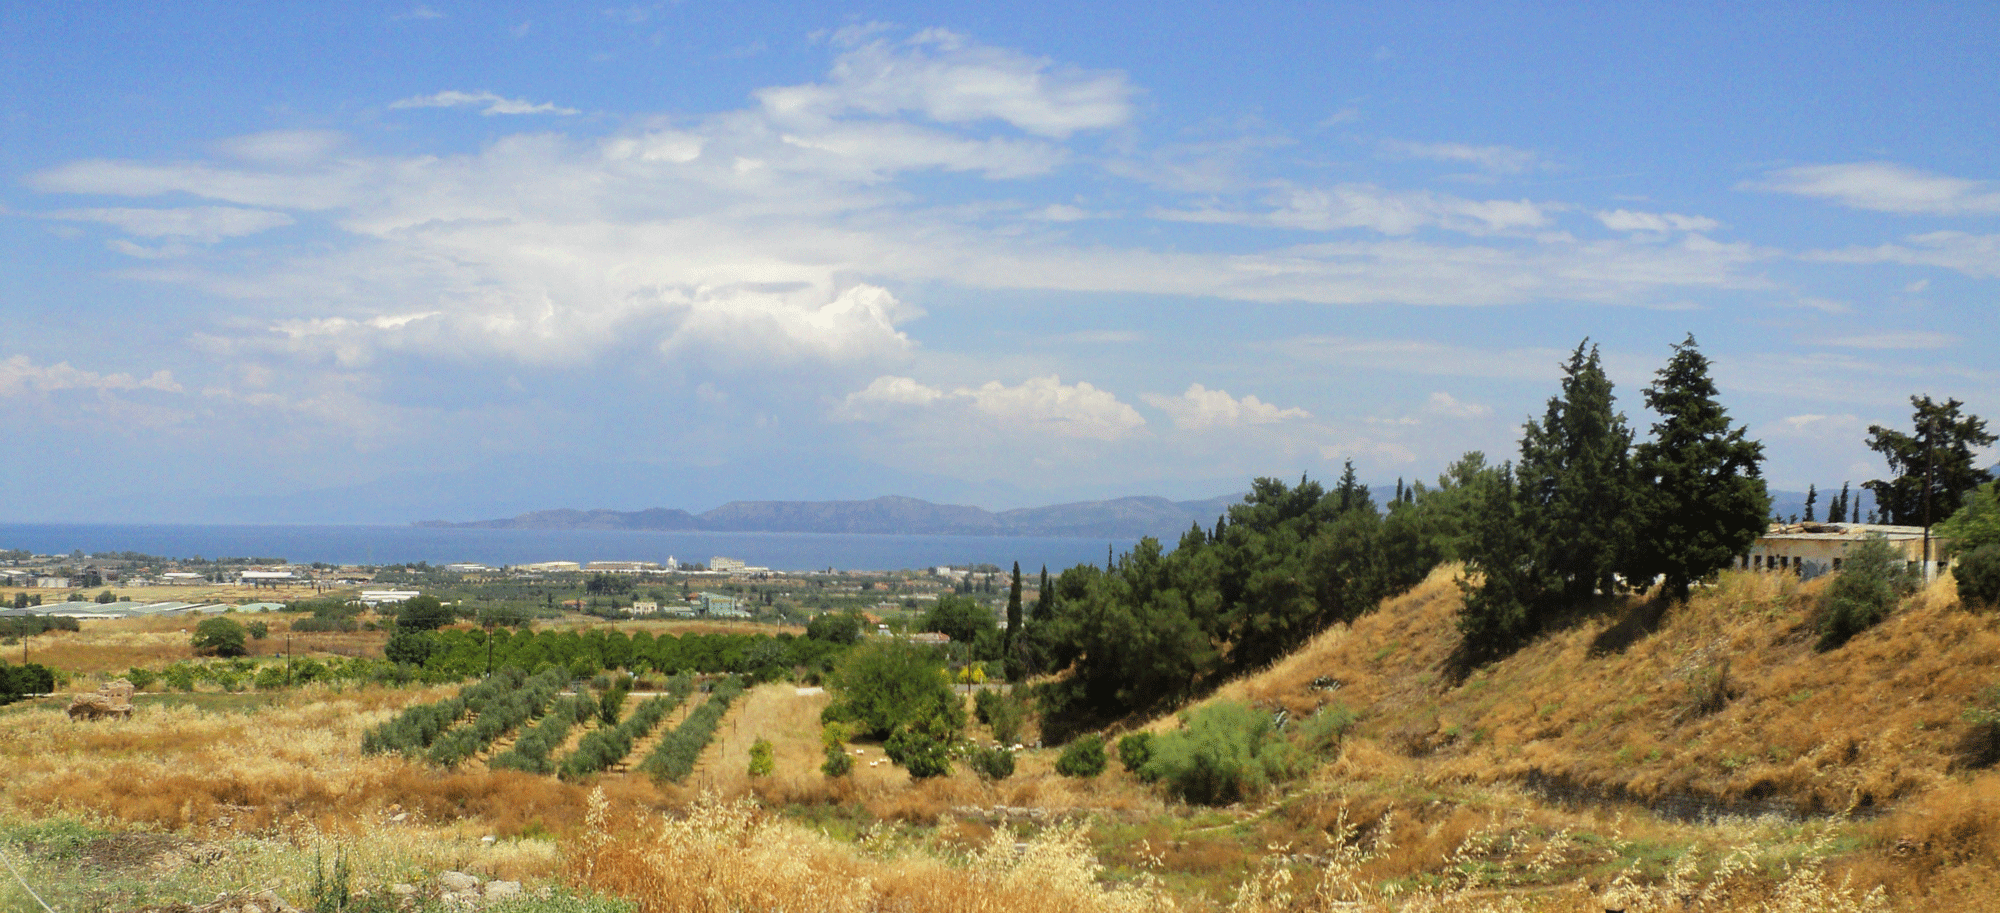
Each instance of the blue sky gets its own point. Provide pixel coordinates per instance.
(365, 262)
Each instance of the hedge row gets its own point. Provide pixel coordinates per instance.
(497, 717)
(417, 727)
(673, 759)
(530, 753)
(605, 747)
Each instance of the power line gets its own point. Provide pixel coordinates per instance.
(24, 882)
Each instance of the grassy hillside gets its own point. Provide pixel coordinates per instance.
(1701, 758)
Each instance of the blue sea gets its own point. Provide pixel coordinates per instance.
(379, 545)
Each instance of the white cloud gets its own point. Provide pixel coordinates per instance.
(19, 374)
(494, 104)
(1078, 410)
(952, 80)
(1659, 222)
(1977, 256)
(1367, 206)
(419, 11)
(891, 391)
(885, 148)
(203, 224)
(1496, 159)
(1199, 408)
(1885, 187)
(1042, 405)
(1448, 406)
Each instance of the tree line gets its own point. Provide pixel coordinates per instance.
(1585, 510)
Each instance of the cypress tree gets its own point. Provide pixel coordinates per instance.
(1575, 481)
(1703, 501)
(1013, 609)
(1812, 497)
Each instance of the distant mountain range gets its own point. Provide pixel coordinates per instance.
(1119, 518)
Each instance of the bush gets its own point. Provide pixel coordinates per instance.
(1980, 747)
(1135, 750)
(837, 763)
(219, 637)
(1223, 752)
(1005, 713)
(761, 760)
(258, 630)
(991, 763)
(885, 684)
(922, 747)
(1978, 576)
(1871, 579)
(1082, 758)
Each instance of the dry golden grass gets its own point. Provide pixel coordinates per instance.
(1423, 808)
(115, 645)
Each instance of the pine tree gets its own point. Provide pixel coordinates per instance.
(1505, 608)
(1934, 466)
(1351, 493)
(1575, 481)
(1702, 500)
(1812, 497)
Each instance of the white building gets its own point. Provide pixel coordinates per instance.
(372, 598)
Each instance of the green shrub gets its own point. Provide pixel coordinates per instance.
(991, 763)
(1224, 752)
(1323, 730)
(1083, 757)
(884, 684)
(1871, 579)
(837, 763)
(219, 636)
(761, 760)
(1135, 750)
(922, 747)
(1978, 575)
(1004, 713)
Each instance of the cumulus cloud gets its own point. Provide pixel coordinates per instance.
(952, 80)
(1039, 404)
(1657, 222)
(492, 104)
(20, 374)
(203, 224)
(1199, 408)
(1885, 187)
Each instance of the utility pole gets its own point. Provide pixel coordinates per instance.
(1930, 462)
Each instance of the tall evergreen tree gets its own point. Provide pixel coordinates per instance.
(1940, 451)
(1013, 609)
(1836, 509)
(1702, 500)
(1812, 497)
(1505, 607)
(1575, 481)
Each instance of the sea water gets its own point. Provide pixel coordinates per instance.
(379, 545)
